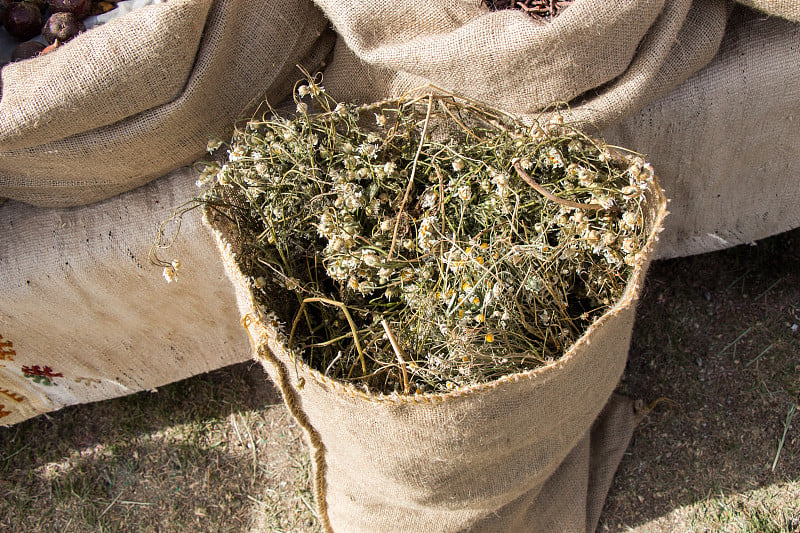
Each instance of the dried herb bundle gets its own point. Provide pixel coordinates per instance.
(428, 242)
(541, 9)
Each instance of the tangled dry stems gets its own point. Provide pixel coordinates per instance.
(427, 242)
(539, 9)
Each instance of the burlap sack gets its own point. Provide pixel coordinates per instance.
(528, 452)
(84, 316)
(139, 96)
(708, 97)
(788, 9)
(607, 59)
(726, 142)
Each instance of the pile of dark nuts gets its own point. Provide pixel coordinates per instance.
(57, 21)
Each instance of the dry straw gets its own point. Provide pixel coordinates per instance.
(428, 242)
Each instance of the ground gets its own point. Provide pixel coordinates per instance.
(716, 346)
(715, 354)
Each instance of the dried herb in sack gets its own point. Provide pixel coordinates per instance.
(539, 9)
(428, 242)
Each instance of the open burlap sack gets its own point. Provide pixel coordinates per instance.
(139, 96)
(532, 451)
(710, 98)
(84, 316)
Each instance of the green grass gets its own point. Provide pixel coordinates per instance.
(767, 510)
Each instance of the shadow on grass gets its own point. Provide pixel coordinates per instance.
(197, 400)
(180, 459)
(716, 353)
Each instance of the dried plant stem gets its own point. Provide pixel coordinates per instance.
(400, 354)
(177, 218)
(411, 177)
(786, 425)
(463, 127)
(341, 306)
(550, 196)
(441, 206)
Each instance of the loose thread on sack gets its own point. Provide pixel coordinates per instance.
(318, 456)
(246, 321)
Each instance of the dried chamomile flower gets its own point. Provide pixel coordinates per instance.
(213, 145)
(170, 271)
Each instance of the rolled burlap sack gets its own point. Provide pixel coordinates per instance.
(139, 96)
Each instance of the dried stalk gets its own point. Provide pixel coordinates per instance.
(400, 354)
(550, 196)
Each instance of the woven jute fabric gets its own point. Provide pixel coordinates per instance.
(139, 96)
(84, 316)
(788, 9)
(606, 58)
(726, 141)
(533, 451)
(706, 89)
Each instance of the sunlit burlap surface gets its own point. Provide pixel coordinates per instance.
(81, 303)
(726, 142)
(139, 96)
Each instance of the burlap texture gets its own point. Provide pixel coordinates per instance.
(526, 452)
(726, 143)
(710, 98)
(788, 9)
(58, 95)
(80, 302)
(606, 58)
(139, 96)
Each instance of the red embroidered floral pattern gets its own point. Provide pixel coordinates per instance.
(42, 376)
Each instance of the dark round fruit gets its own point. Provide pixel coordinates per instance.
(23, 20)
(62, 26)
(26, 50)
(79, 8)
